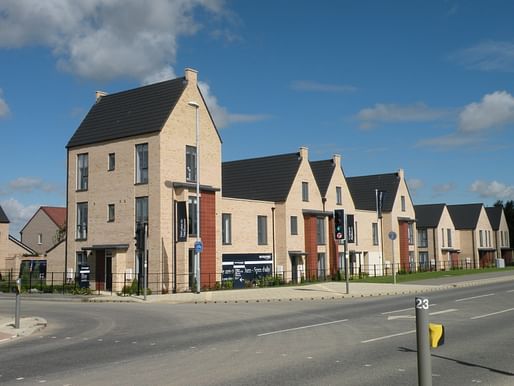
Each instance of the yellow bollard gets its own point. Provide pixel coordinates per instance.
(436, 334)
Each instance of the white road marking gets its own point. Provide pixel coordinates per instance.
(443, 311)
(303, 327)
(511, 290)
(395, 317)
(389, 336)
(491, 314)
(474, 297)
(395, 311)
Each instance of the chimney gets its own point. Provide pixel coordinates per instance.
(304, 153)
(336, 159)
(99, 95)
(191, 75)
(401, 174)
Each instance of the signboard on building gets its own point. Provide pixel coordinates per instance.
(181, 221)
(246, 268)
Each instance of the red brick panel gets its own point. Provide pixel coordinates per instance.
(208, 236)
(404, 245)
(332, 246)
(311, 246)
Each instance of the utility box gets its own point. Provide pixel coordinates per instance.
(500, 263)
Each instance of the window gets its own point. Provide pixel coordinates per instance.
(110, 213)
(449, 237)
(481, 235)
(403, 203)
(226, 228)
(442, 237)
(82, 171)
(81, 221)
(339, 196)
(410, 233)
(356, 232)
(191, 216)
(321, 265)
(423, 260)
(142, 163)
(191, 163)
(320, 230)
(423, 238)
(305, 191)
(374, 231)
(81, 259)
(141, 210)
(262, 230)
(111, 162)
(40, 238)
(294, 225)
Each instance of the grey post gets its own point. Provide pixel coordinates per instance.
(346, 270)
(18, 301)
(422, 338)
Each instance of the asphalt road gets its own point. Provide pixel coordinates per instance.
(368, 341)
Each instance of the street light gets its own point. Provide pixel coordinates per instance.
(198, 243)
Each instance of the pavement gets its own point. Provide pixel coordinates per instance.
(310, 292)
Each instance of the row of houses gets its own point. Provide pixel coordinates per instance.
(139, 158)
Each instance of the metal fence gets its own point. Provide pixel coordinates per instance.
(159, 283)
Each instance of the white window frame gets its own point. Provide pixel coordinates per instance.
(142, 163)
(82, 171)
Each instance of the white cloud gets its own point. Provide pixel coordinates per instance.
(4, 108)
(494, 189)
(487, 56)
(18, 214)
(307, 85)
(443, 188)
(27, 185)
(222, 118)
(414, 185)
(450, 141)
(105, 39)
(393, 113)
(495, 110)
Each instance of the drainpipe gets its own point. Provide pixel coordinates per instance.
(274, 260)
(67, 215)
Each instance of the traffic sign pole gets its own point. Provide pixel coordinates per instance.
(392, 237)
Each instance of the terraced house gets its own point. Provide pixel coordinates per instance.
(132, 163)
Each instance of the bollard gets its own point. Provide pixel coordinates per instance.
(422, 338)
(18, 300)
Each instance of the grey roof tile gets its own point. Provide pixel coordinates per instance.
(323, 172)
(362, 189)
(266, 178)
(129, 113)
(465, 216)
(495, 215)
(429, 215)
(3, 217)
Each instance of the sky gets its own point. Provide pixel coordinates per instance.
(426, 86)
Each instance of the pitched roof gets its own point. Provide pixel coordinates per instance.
(465, 216)
(56, 214)
(495, 215)
(3, 217)
(428, 216)
(323, 171)
(129, 113)
(267, 178)
(362, 189)
(29, 250)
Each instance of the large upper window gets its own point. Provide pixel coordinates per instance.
(81, 221)
(191, 163)
(226, 228)
(410, 233)
(262, 230)
(142, 163)
(374, 233)
(339, 196)
(141, 210)
(320, 230)
(402, 201)
(111, 162)
(294, 225)
(305, 191)
(449, 237)
(422, 238)
(191, 216)
(82, 171)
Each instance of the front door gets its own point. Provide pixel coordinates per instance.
(108, 273)
(100, 270)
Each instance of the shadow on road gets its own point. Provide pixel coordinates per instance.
(460, 362)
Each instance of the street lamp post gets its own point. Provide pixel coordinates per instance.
(198, 241)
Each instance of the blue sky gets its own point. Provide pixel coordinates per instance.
(426, 86)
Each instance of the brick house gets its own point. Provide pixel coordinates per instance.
(45, 229)
(501, 240)
(131, 163)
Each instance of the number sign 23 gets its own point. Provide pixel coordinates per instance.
(422, 303)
